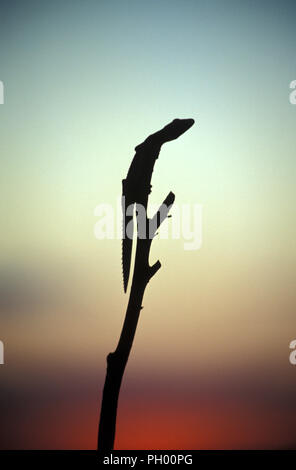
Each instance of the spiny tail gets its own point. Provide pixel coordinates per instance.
(127, 234)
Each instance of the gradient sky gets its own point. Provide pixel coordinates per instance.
(85, 82)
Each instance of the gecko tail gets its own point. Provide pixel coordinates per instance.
(127, 234)
(126, 261)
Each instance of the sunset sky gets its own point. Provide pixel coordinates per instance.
(84, 83)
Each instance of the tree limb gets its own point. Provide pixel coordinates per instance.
(116, 361)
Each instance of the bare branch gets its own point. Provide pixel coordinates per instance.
(161, 214)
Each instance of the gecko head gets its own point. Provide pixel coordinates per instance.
(183, 123)
(176, 128)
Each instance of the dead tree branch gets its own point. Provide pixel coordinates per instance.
(116, 361)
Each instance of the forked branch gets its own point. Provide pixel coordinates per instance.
(116, 361)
